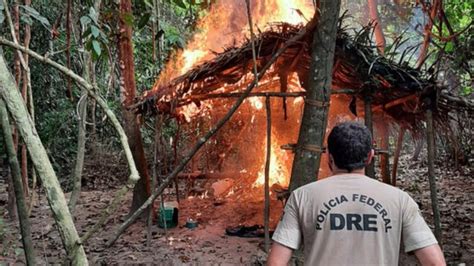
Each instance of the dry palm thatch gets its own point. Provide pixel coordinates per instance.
(395, 89)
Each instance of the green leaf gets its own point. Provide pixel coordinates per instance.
(180, 3)
(95, 31)
(449, 47)
(85, 20)
(36, 15)
(93, 15)
(96, 46)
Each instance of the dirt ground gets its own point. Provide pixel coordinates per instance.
(208, 243)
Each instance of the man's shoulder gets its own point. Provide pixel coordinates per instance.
(360, 181)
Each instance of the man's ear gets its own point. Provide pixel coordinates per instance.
(330, 162)
(370, 157)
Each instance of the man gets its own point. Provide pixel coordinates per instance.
(349, 218)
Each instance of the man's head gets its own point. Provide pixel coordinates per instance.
(350, 146)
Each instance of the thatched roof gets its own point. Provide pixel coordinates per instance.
(395, 88)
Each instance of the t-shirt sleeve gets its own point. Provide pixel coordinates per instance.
(288, 232)
(416, 233)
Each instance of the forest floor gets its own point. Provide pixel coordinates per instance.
(208, 243)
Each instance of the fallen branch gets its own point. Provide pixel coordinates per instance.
(134, 176)
(212, 131)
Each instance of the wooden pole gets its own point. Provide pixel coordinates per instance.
(369, 170)
(154, 176)
(431, 174)
(267, 175)
(401, 134)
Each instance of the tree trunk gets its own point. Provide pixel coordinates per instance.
(313, 126)
(431, 173)
(24, 92)
(55, 195)
(142, 189)
(374, 17)
(382, 128)
(383, 137)
(18, 187)
(81, 148)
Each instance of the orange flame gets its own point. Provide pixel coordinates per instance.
(227, 24)
(279, 172)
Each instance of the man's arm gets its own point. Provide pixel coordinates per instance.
(430, 256)
(279, 255)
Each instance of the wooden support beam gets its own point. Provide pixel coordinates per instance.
(431, 173)
(369, 169)
(401, 134)
(266, 214)
(394, 103)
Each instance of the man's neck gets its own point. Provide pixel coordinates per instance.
(345, 172)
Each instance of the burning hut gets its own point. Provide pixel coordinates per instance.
(397, 94)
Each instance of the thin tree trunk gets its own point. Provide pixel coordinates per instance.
(427, 33)
(38, 154)
(396, 157)
(25, 227)
(383, 136)
(382, 127)
(431, 173)
(89, 75)
(24, 92)
(142, 189)
(313, 126)
(418, 148)
(81, 148)
(266, 213)
(369, 169)
(68, 46)
(374, 17)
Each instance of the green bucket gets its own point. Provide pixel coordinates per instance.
(168, 215)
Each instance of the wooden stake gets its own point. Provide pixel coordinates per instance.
(369, 170)
(431, 174)
(266, 214)
(154, 176)
(401, 134)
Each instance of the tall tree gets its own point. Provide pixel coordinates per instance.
(382, 128)
(142, 189)
(313, 125)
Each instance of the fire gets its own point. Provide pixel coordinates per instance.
(191, 57)
(279, 172)
(227, 24)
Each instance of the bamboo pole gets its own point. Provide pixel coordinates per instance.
(18, 187)
(201, 141)
(431, 173)
(396, 157)
(266, 214)
(369, 169)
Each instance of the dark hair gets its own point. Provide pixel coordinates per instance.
(349, 143)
